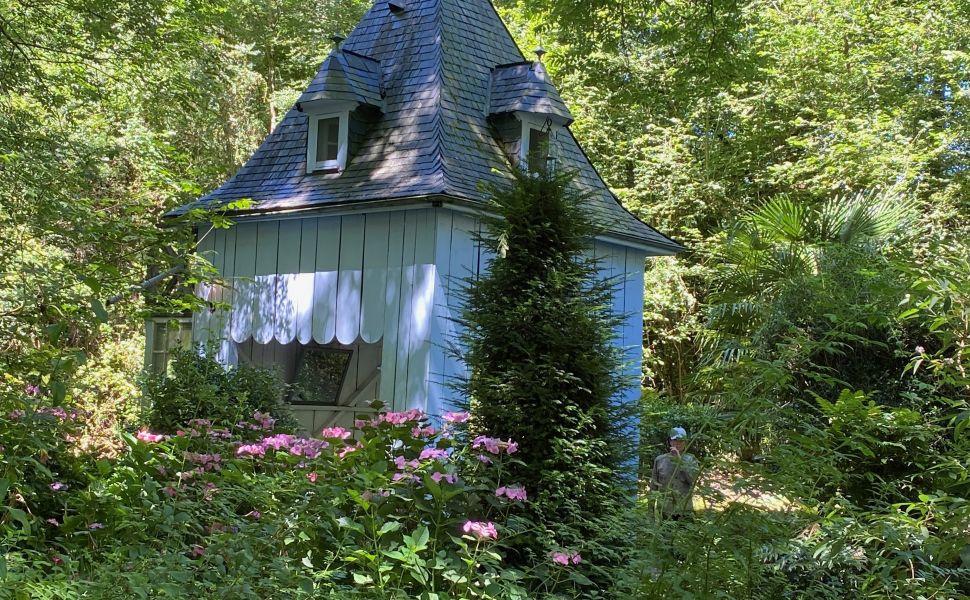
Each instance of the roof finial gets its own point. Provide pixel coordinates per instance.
(337, 39)
(539, 52)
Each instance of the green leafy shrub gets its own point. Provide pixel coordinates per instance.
(199, 387)
(38, 464)
(396, 509)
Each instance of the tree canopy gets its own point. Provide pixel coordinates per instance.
(812, 155)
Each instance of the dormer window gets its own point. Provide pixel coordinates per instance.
(538, 149)
(535, 148)
(527, 113)
(327, 142)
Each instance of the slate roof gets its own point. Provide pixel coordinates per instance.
(433, 138)
(525, 87)
(347, 76)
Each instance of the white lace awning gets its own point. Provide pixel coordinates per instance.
(322, 280)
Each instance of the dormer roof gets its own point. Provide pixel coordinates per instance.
(525, 87)
(346, 77)
(434, 61)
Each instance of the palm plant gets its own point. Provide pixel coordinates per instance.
(789, 266)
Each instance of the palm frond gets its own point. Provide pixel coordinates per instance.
(781, 219)
(866, 215)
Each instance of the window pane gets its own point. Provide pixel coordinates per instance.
(328, 139)
(538, 149)
(185, 335)
(167, 336)
(320, 376)
(159, 363)
(160, 337)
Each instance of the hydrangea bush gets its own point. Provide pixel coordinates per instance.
(398, 507)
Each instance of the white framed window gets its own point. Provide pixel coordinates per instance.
(536, 149)
(163, 335)
(327, 141)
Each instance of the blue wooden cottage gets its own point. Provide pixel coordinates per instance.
(343, 273)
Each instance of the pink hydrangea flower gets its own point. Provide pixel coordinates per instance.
(16, 414)
(456, 417)
(54, 522)
(220, 433)
(338, 433)
(401, 418)
(148, 437)
(495, 445)
(264, 420)
(208, 462)
(343, 452)
(57, 412)
(251, 450)
(423, 432)
(402, 463)
(32, 390)
(490, 444)
(480, 530)
(433, 454)
(276, 442)
(449, 477)
(197, 550)
(511, 492)
(566, 558)
(308, 448)
(169, 491)
(57, 486)
(312, 476)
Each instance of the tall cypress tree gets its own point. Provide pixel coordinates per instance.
(537, 331)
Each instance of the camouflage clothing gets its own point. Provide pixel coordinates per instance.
(672, 481)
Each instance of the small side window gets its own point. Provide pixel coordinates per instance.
(328, 139)
(327, 143)
(536, 144)
(164, 336)
(538, 153)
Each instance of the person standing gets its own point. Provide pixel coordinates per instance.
(673, 477)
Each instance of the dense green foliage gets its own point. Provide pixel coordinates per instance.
(813, 157)
(110, 114)
(822, 371)
(204, 389)
(249, 511)
(537, 340)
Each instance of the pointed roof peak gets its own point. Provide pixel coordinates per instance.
(430, 67)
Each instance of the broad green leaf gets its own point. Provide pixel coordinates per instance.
(388, 527)
(421, 536)
(99, 311)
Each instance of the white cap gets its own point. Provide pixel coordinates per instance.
(678, 433)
